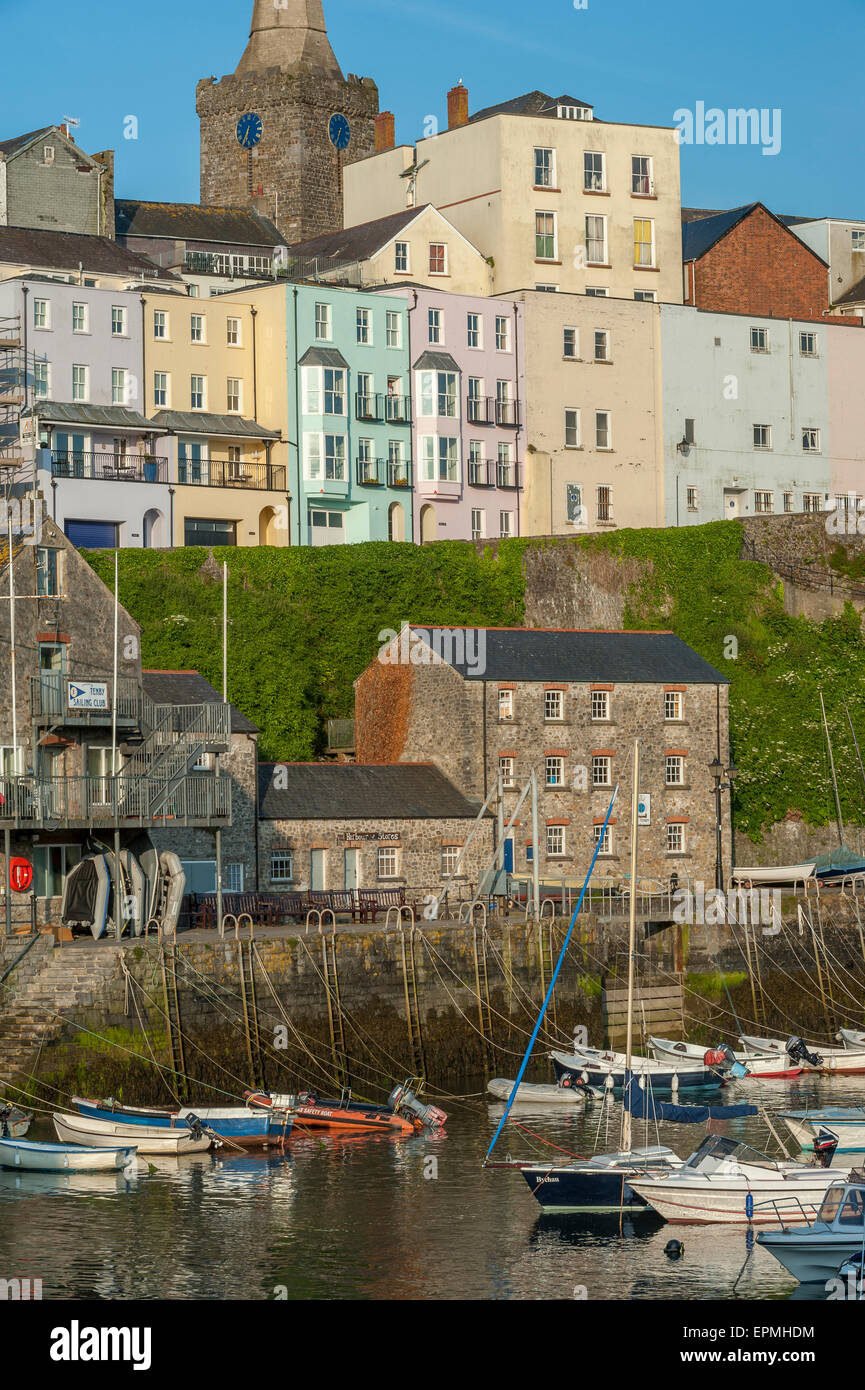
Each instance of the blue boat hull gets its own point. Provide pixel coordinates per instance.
(661, 1082)
(246, 1128)
(578, 1189)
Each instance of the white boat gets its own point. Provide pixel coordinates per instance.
(846, 1123)
(607, 1070)
(531, 1094)
(834, 1061)
(814, 1252)
(757, 1064)
(149, 1139)
(774, 873)
(717, 1184)
(850, 1038)
(57, 1158)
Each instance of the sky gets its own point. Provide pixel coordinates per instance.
(640, 61)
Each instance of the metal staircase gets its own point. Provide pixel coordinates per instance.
(12, 391)
(175, 740)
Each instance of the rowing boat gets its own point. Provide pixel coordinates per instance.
(148, 1139)
(57, 1158)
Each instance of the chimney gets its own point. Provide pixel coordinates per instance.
(458, 106)
(385, 136)
(64, 130)
(106, 214)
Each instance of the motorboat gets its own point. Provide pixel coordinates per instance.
(846, 1123)
(148, 1139)
(814, 1252)
(850, 1038)
(606, 1071)
(758, 1065)
(403, 1113)
(14, 1123)
(530, 1093)
(777, 874)
(833, 1061)
(58, 1158)
(244, 1125)
(600, 1184)
(725, 1180)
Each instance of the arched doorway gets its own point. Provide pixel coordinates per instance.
(153, 529)
(395, 522)
(427, 524)
(268, 526)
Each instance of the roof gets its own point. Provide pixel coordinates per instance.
(19, 142)
(436, 362)
(700, 234)
(191, 688)
(530, 104)
(34, 246)
(182, 221)
(200, 422)
(573, 655)
(73, 413)
(360, 242)
(322, 357)
(855, 294)
(360, 791)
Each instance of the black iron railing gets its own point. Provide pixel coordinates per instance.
(109, 466)
(261, 477)
(482, 473)
(371, 472)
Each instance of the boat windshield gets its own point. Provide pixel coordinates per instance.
(831, 1204)
(852, 1211)
(713, 1146)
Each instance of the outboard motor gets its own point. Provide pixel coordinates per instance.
(258, 1100)
(798, 1052)
(569, 1080)
(723, 1059)
(825, 1144)
(402, 1099)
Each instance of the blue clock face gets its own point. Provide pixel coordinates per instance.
(249, 130)
(339, 132)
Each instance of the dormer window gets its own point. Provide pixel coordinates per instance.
(573, 113)
(48, 154)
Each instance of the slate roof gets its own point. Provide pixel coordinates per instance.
(73, 413)
(360, 242)
(855, 294)
(322, 357)
(555, 654)
(436, 362)
(360, 791)
(200, 422)
(34, 246)
(530, 104)
(19, 142)
(191, 221)
(191, 688)
(700, 234)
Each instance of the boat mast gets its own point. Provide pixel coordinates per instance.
(632, 941)
(834, 778)
(855, 745)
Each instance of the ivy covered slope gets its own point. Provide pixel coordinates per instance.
(305, 622)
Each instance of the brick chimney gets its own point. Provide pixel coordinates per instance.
(458, 106)
(385, 135)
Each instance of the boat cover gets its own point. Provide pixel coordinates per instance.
(840, 859)
(643, 1106)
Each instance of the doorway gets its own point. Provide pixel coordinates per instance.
(317, 873)
(351, 868)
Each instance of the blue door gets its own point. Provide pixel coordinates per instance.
(509, 856)
(189, 459)
(92, 535)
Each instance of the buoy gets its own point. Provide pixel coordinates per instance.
(674, 1249)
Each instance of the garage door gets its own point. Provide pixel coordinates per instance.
(92, 535)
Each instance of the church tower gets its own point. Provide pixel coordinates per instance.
(277, 131)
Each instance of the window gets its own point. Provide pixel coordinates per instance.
(572, 429)
(573, 113)
(601, 704)
(602, 429)
(594, 172)
(602, 770)
(363, 321)
(233, 878)
(762, 436)
(811, 501)
(555, 841)
(570, 343)
(595, 292)
(602, 345)
(763, 502)
(507, 769)
(503, 333)
(811, 440)
(476, 410)
(477, 524)
(548, 289)
(506, 704)
(553, 704)
(674, 770)
(196, 393)
(42, 380)
(644, 241)
(232, 332)
(692, 499)
(80, 383)
(645, 296)
(642, 182)
(393, 328)
(387, 861)
(545, 236)
(205, 530)
(160, 323)
(196, 328)
(604, 503)
(118, 386)
(808, 344)
(160, 388)
(545, 168)
(596, 240)
(435, 323)
(334, 391)
(400, 257)
(505, 413)
(40, 313)
(505, 475)
(603, 838)
(79, 318)
(48, 154)
(450, 859)
(282, 866)
(675, 837)
(47, 573)
(118, 321)
(857, 237)
(232, 395)
(690, 431)
(322, 322)
(506, 525)
(325, 456)
(51, 864)
(759, 340)
(440, 458)
(473, 331)
(788, 502)
(438, 263)
(673, 704)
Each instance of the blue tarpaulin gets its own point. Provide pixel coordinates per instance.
(643, 1106)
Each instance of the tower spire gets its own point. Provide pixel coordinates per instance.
(288, 34)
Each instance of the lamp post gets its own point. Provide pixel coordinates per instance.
(719, 771)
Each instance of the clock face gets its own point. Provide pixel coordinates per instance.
(339, 132)
(249, 130)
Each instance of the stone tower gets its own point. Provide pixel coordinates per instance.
(289, 78)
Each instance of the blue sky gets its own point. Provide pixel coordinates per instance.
(633, 61)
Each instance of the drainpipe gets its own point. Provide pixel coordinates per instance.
(25, 290)
(410, 310)
(251, 739)
(519, 404)
(171, 516)
(254, 313)
(485, 739)
(297, 419)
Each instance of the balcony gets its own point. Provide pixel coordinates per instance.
(256, 477)
(489, 410)
(378, 406)
(109, 467)
(377, 472)
(82, 803)
(368, 407)
(482, 472)
(60, 699)
(508, 475)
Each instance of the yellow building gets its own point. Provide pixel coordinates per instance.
(554, 198)
(226, 449)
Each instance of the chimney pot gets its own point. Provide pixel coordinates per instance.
(385, 137)
(458, 106)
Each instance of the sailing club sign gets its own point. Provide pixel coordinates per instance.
(88, 694)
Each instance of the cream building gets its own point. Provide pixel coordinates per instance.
(591, 385)
(554, 198)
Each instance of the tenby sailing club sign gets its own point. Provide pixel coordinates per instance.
(87, 695)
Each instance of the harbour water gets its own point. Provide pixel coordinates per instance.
(386, 1219)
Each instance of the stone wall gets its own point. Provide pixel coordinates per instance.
(239, 844)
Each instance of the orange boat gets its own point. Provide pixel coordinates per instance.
(403, 1114)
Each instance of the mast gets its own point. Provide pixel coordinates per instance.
(855, 745)
(632, 941)
(834, 778)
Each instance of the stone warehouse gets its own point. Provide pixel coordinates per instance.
(504, 702)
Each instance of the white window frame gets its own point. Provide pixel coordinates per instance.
(551, 231)
(759, 338)
(503, 333)
(545, 165)
(233, 333)
(363, 325)
(554, 706)
(600, 701)
(160, 389)
(80, 373)
(323, 321)
(594, 179)
(436, 326)
(642, 176)
(765, 441)
(393, 328)
(675, 837)
(640, 247)
(605, 430)
(80, 316)
(604, 837)
(810, 433)
(506, 706)
(387, 861)
(198, 329)
(160, 325)
(674, 770)
(444, 257)
(474, 331)
(285, 858)
(602, 770)
(596, 218)
(197, 377)
(575, 340)
(573, 438)
(118, 385)
(601, 337)
(556, 841)
(42, 315)
(119, 315)
(508, 771)
(674, 706)
(402, 258)
(234, 392)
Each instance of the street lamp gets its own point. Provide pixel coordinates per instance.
(719, 771)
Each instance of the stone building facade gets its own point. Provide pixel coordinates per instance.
(566, 705)
(290, 80)
(46, 181)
